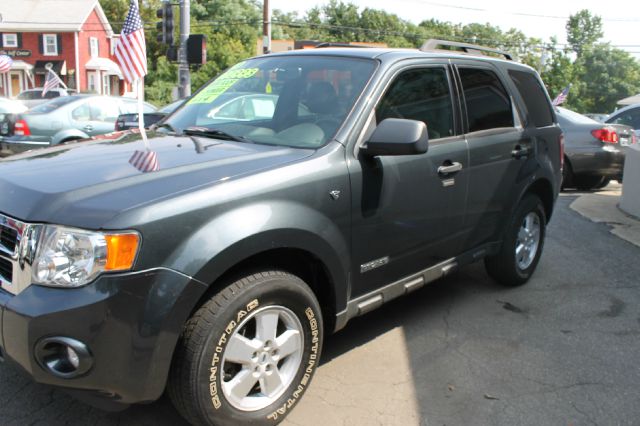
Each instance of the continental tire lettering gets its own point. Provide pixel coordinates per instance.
(313, 356)
(219, 349)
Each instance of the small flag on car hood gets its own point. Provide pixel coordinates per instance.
(145, 161)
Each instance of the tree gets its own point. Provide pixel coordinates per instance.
(605, 75)
(583, 30)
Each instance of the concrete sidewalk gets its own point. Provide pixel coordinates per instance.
(602, 207)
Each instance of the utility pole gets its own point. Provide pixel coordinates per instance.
(266, 28)
(184, 75)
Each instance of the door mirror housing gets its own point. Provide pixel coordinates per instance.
(397, 136)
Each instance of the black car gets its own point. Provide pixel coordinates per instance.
(594, 152)
(212, 260)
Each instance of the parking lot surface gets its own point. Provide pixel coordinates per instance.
(561, 350)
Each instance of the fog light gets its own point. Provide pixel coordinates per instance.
(63, 357)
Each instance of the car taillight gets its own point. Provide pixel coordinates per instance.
(21, 128)
(562, 151)
(606, 134)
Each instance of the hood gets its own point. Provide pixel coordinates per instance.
(85, 184)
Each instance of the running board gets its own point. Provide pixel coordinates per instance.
(379, 297)
(373, 300)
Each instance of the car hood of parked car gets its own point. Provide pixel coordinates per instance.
(85, 184)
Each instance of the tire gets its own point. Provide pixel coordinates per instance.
(567, 175)
(589, 182)
(508, 268)
(215, 377)
(605, 182)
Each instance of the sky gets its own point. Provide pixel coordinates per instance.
(540, 18)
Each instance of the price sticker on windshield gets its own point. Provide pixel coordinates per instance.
(222, 84)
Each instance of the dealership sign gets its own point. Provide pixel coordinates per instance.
(18, 53)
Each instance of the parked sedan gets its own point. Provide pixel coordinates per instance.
(62, 120)
(594, 151)
(33, 97)
(629, 115)
(130, 121)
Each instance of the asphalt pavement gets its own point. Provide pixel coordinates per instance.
(561, 350)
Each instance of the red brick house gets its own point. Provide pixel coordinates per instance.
(73, 36)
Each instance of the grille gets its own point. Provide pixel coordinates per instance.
(8, 238)
(6, 269)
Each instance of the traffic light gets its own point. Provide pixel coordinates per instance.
(165, 27)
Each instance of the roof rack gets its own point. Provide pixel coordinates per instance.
(472, 49)
(336, 44)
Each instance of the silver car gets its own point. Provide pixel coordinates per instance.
(64, 119)
(629, 115)
(594, 151)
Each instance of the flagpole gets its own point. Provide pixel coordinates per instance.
(143, 132)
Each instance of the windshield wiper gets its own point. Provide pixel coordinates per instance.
(214, 133)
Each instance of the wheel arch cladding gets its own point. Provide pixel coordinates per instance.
(542, 189)
(281, 234)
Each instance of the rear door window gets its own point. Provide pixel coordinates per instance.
(488, 103)
(534, 97)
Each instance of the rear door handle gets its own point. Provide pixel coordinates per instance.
(448, 168)
(88, 127)
(520, 152)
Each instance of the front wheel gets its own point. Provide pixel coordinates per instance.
(249, 353)
(522, 244)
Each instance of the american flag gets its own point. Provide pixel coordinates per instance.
(5, 63)
(131, 48)
(52, 81)
(562, 96)
(145, 161)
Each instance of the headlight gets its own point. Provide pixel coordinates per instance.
(68, 257)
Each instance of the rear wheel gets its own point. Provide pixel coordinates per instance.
(522, 244)
(589, 182)
(248, 354)
(567, 175)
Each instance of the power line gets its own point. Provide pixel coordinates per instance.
(532, 15)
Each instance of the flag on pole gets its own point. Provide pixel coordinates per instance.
(131, 48)
(52, 81)
(562, 96)
(5, 63)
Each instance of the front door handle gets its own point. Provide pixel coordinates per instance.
(88, 127)
(448, 167)
(520, 152)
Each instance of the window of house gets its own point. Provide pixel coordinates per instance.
(106, 87)
(50, 44)
(488, 103)
(93, 46)
(10, 40)
(423, 95)
(92, 87)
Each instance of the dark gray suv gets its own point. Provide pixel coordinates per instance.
(217, 272)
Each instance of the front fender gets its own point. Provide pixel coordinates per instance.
(68, 134)
(244, 232)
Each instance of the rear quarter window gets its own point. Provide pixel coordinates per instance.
(534, 97)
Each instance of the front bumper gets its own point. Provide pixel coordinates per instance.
(129, 322)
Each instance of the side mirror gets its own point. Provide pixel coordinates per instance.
(396, 136)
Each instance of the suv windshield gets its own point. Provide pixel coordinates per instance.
(296, 101)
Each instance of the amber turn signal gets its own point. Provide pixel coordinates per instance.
(121, 251)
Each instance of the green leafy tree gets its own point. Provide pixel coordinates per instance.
(583, 31)
(605, 75)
